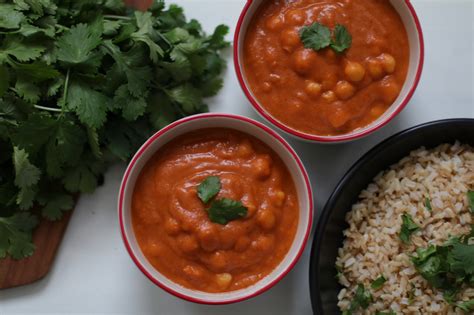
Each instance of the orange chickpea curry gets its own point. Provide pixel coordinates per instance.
(326, 67)
(215, 210)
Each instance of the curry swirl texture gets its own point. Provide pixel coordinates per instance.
(172, 224)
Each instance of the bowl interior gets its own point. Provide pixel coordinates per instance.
(415, 39)
(214, 121)
(328, 237)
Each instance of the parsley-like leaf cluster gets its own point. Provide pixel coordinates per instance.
(83, 84)
(223, 210)
(318, 36)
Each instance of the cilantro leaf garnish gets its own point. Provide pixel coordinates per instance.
(408, 228)
(470, 197)
(362, 299)
(378, 283)
(342, 39)
(447, 267)
(83, 86)
(428, 204)
(315, 36)
(224, 210)
(209, 188)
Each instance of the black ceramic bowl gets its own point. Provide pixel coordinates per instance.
(328, 236)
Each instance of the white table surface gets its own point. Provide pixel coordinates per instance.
(94, 274)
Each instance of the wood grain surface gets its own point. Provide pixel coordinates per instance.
(47, 237)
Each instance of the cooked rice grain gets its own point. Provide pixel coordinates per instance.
(372, 246)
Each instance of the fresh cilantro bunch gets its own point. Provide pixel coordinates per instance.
(82, 84)
(448, 267)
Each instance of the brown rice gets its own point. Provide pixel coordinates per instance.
(372, 246)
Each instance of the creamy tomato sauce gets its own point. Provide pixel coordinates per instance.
(324, 92)
(172, 226)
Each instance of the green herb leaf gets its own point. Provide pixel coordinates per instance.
(15, 235)
(82, 85)
(466, 306)
(55, 205)
(315, 36)
(378, 283)
(26, 177)
(470, 198)
(408, 228)
(428, 204)
(20, 49)
(89, 105)
(224, 210)
(9, 17)
(391, 312)
(75, 45)
(342, 39)
(362, 299)
(209, 188)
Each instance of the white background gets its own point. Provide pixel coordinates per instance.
(94, 274)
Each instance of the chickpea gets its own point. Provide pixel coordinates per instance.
(279, 198)
(313, 89)
(289, 39)
(172, 227)
(329, 81)
(338, 117)
(193, 272)
(245, 149)
(275, 23)
(218, 261)
(375, 69)
(223, 280)
(208, 238)
(329, 96)
(377, 110)
(303, 60)
(344, 90)
(262, 166)
(242, 244)
(354, 71)
(388, 62)
(266, 219)
(264, 243)
(390, 89)
(295, 17)
(187, 243)
(251, 208)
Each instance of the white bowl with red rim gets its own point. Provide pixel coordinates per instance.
(245, 125)
(415, 37)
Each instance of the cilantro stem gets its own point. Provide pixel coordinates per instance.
(51, 109)
(117, 17)
(66, 85)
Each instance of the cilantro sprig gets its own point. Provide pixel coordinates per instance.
(449, 266)
(223, 210)
(378, 283)
(84, 84)
(408, 228)
(318, 36)
(361, 300)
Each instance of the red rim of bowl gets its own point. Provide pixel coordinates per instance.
(167, 129)
(317, 138)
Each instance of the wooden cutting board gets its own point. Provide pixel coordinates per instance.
(47, 237)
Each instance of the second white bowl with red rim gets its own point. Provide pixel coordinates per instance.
(416, 54)
(242, 124)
